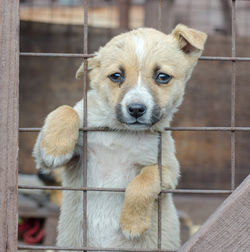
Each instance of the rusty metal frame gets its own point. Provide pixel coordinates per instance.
(9, 100)
(11, 245)
(82, 55)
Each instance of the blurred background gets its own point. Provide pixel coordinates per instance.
(46, 83)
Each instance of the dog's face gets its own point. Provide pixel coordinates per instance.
(141, 75)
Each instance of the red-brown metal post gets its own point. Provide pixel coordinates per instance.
(9, 80)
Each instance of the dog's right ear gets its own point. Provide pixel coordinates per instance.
(190, 40)
(92, 63)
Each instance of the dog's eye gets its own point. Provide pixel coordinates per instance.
(116, 77)
(162, 78)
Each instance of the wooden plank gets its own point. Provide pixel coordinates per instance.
(9, 75)
(228, 229)
(124, 7)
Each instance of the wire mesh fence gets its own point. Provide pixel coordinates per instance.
(232, 129)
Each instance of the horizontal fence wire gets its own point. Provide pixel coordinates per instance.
(103, 189)
(63, 55)
(24, 247)
(80, 55)
(167, 129)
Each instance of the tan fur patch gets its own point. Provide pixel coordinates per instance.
(61, 131)
(193, 37)
(139, 199)
(159, 49)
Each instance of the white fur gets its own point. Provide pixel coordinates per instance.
(114, 159)
(139, 82)
(139, 48)
(138, 94)
(55, 161)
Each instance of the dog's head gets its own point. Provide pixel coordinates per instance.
(140, 76)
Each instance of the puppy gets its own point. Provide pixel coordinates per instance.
(138, 81)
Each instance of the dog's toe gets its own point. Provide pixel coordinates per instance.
(134, 230)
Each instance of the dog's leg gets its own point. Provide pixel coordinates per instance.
(139, 199)
(56, 142)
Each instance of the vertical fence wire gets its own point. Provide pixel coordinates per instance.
(85, 122)
(233, 82)
(159, 161)
(160, 6)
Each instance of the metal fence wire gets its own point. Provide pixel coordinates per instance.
(85, 55)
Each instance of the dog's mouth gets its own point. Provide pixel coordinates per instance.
(140, 123)
(136, 123)
(137, 126)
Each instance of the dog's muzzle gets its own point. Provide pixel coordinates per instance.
(136, 110)
(137, 114)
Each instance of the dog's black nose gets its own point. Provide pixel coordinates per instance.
(136, 110)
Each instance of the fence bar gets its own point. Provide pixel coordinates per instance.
(9, 101)
(85, 122)
(214, 58)
(65, 55)
(160, 7)
(80, 55)
(30, 247)
(208, 128)
(233, 97)
(159, 161)
(160, 195)
(103, 189)
(168, 128)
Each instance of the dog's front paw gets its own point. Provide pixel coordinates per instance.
(138, 203)
(135, 216)
(59, 136)
(134, 224)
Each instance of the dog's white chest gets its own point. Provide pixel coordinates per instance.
(114, 158)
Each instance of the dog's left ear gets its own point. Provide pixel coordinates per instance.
(92, 63)
(189, 40)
